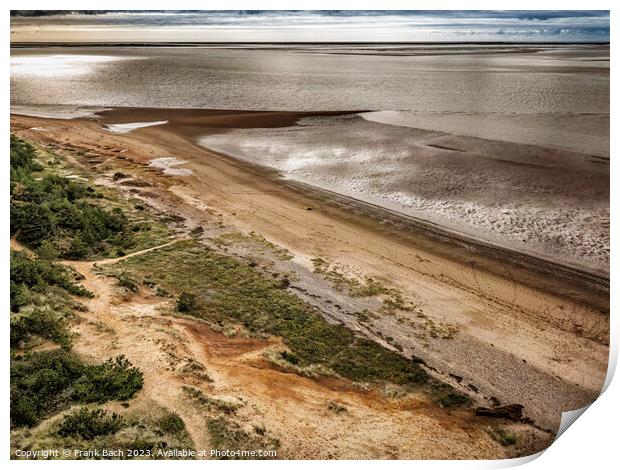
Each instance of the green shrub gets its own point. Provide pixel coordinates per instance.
(86, 227)
(290, 358)
(34, 222)
(186, 302)
(126, 281)
(115, 379)
(46, 382)
(171, 424)
(226, 434)
(42, 323)
(89, 424)
(20, 295)
(141, 444)
(40, 385)
(22, 161)
(57, 210)
(37, 275)
(447, 397)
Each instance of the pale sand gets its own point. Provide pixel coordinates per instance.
(170, 166)
(131, 126)
(529, 332)
(583, 133)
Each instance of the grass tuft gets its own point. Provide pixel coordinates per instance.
(227, 435)
(503, 436)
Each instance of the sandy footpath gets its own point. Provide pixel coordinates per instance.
(528, 332)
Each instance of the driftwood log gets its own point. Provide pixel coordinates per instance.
(512, 412)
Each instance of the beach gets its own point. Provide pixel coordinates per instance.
(530, 331)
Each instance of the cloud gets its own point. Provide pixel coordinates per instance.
(331, 25)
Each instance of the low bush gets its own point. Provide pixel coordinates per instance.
(20, 296)
(171, 424)
(42, 323)
(115, 379)
(212, 404)
(44, 383)
(186, 302)
(447, 397)
(22, 161)
(290, 358)
(59, 210)
(41, 385)
(336, 407)
(32, 274)
(226, 434)
(89, 424)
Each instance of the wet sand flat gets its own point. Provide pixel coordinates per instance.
(503, 79)
(549, 202)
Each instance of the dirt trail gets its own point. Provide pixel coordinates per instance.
(87, 265)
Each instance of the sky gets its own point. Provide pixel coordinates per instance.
(311, 26)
